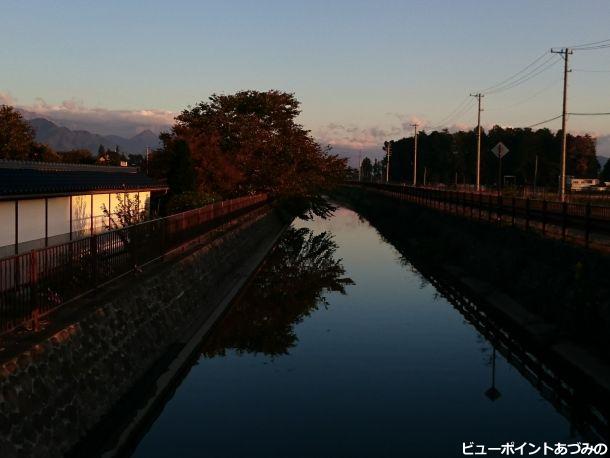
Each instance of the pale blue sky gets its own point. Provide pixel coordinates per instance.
(362, 69)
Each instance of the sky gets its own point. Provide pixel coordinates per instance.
(363, 70)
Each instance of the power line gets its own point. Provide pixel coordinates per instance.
(460, 105)
(543, 122)
(594, 43)
(589, 114)
(589, 48)
(516, 74)
(546, 65)
(586, 70)
(456, 116)
(531, 96)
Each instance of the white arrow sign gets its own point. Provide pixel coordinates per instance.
(500, 150)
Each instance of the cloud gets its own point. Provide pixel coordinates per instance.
(74, 115)
(352, 137)
(6, 99)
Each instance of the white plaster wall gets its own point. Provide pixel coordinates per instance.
(59, 216)
(31, 220)
(7, 223)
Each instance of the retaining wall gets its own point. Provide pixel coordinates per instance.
(54, 393)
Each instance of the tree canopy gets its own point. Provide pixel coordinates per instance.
(16, 135)
(451, 157)
(245, 143)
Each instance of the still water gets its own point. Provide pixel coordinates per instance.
(340, 347)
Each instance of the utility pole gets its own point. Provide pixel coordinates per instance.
(565, 53)
(387, 168)
(147, 155)
(360, 166)
(414, 154)
(478, 96)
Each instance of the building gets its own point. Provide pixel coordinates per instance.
(579, 184)
(44, 204)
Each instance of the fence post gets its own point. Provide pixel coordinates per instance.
(489, 207)
(564, 219)
(527, 214)
(513, 214)
(500, 203)
(463, 194)
(480, 204)
(34, 289)
(543, 217)
(93, 254)
(587, 223)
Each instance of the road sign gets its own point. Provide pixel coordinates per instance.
(500, 150)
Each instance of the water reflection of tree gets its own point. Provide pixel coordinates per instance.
(291, 285)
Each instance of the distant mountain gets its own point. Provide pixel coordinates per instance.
(63, 139)
(603, 146)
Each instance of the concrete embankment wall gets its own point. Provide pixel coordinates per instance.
(54, 393)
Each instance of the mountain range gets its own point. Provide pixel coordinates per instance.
(61, 138)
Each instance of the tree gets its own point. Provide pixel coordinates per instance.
(77, 156)
(136, 160)
(125, 220)
(451, 157)
(43, 153)
(16, 135)
(250, 142)
(366, 169)
(605, 173)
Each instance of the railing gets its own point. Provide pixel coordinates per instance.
(35, 283)
(586, 224)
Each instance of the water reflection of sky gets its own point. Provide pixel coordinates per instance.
(389, 369)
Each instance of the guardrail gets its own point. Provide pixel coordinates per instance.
(34, 284)
(585, 224)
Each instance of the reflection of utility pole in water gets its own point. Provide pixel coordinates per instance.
(492, 393)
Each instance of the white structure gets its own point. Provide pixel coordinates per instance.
(44, 204)
(578, 184)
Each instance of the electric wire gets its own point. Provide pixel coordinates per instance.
(542, 122)
(546, 65)
(590, 114)
(594, 43)
(501, 83)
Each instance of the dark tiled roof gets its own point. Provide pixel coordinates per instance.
(25, 181)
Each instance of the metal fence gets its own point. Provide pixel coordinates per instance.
(587, 224)
(35, 283)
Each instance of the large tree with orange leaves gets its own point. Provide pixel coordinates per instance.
(250, 142)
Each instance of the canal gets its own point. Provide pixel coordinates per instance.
(341, 347)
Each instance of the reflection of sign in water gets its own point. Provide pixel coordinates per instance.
(500, 150)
